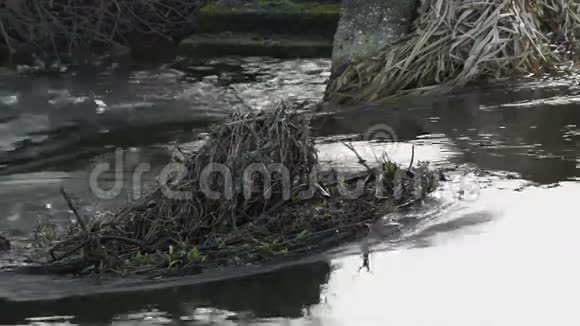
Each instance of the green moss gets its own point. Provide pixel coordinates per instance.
(272, 6)
(271, 17)
(281, 46)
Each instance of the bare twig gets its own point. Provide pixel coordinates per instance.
(54, 27)
(412, 157)
(73, 209)
(6, 37)
(361, 161)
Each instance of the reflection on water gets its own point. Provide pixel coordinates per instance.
(538, 142)
(283, 294)
(517, 269)
(493, 246)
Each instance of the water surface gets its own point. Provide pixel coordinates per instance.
(495, 245)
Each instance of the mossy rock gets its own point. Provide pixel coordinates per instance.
(271, 17)
(331, 8)
(244, 44)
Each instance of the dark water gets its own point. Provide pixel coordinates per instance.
(495, 245)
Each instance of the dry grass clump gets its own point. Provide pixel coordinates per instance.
(296, 215)
(454, 42)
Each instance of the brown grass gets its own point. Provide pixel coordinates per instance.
(454, 42)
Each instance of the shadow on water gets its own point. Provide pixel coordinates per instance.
(423, 237)
(281, 294)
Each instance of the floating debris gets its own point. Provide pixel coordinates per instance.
(253, 193)
(4, 244)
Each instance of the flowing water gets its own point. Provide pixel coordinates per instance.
(494, 245)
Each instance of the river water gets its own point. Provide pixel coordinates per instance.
(495, 244)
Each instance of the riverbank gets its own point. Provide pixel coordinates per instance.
(453, 43)
(201, 29)
(279, 29)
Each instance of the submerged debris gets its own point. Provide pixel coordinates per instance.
(454, 42)
(4, 244)
(253, 192)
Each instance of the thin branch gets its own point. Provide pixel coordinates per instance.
(73, 209)
(412, 157)
(6, 37)
(361, 161)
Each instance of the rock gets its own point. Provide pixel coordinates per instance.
(4, 244)
(366, 26)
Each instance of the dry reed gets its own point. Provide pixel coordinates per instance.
(454, 42)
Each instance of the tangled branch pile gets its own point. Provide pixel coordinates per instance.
(250, 220)
(50, 28)
(454, 42)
